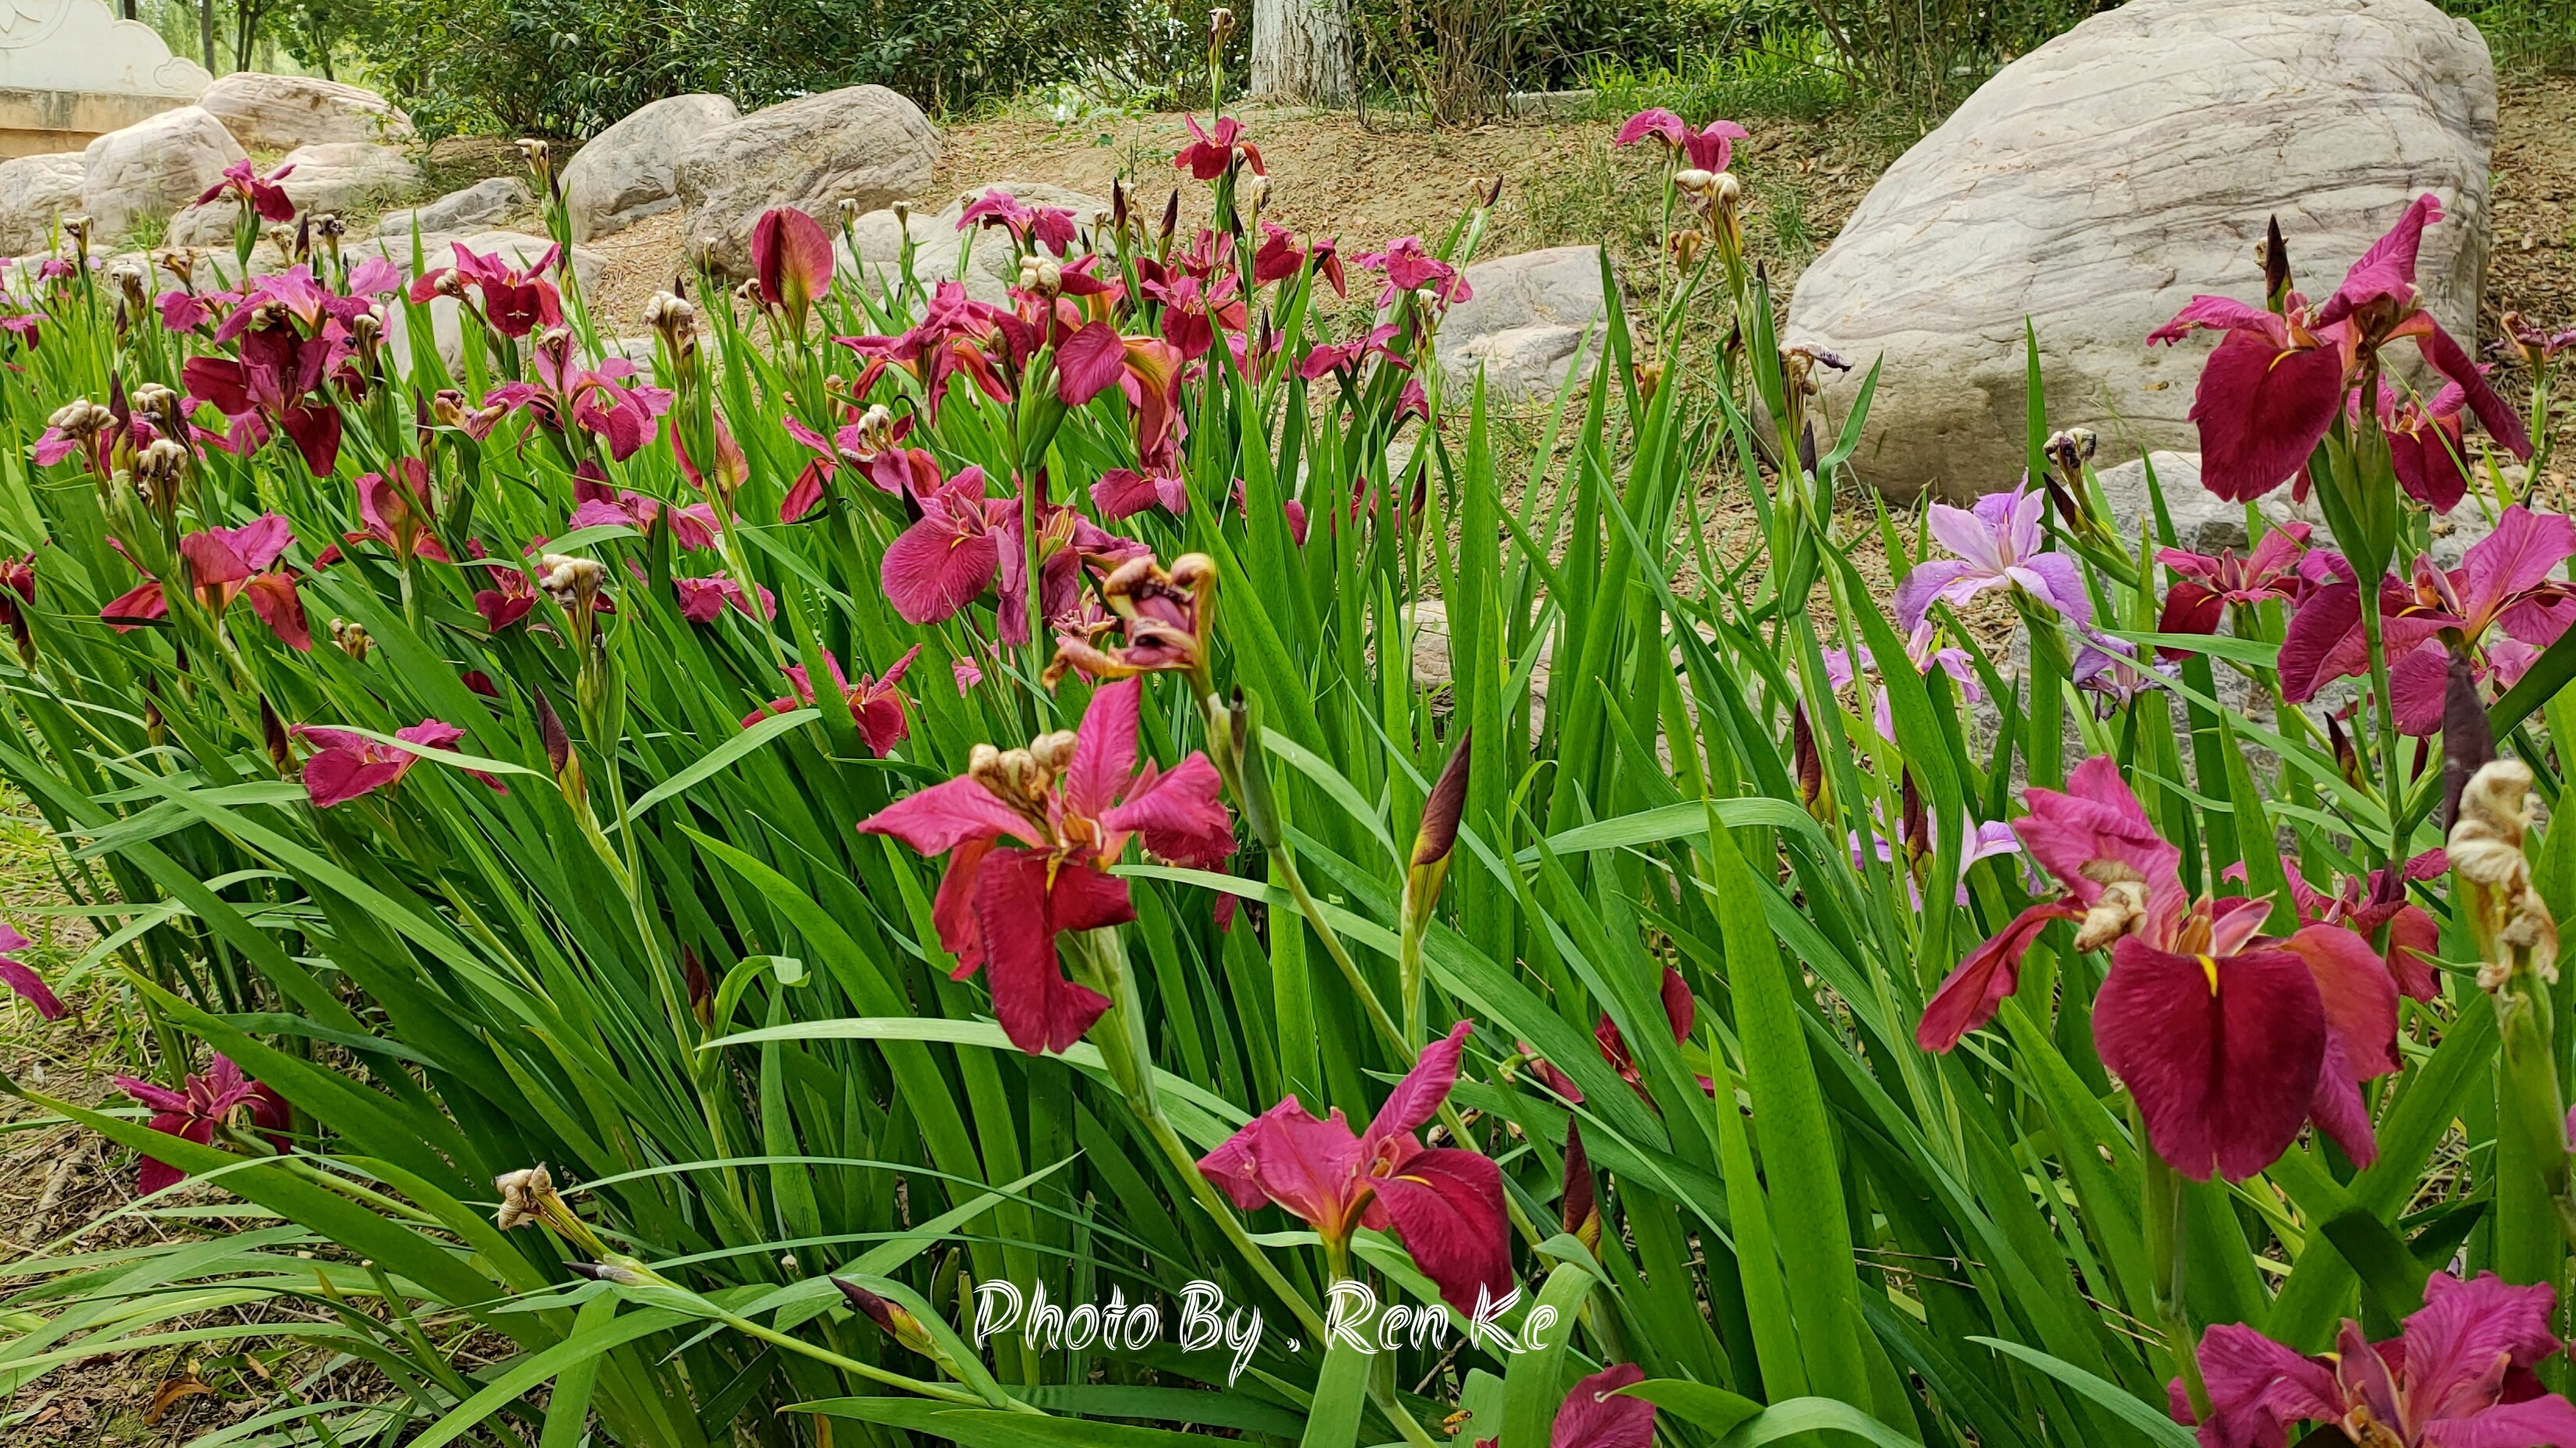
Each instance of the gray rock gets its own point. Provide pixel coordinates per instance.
(937, 243)
(480, 204)
(284, 112)
(328, 176)
(1526, 317)
(627, 172)
(864, 144)
(34, 190)
(2206, 523)
(153, 168)
(2097, 183)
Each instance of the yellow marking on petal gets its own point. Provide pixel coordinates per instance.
(2209, 968)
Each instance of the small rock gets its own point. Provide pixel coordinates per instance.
(477, 205)
(865, 144)
(1527, 315)
(626, 173)
(153, 168)
(286, 112)
(34, 190)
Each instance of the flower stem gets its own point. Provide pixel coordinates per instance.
(2161, 1216)
(1120, 1035)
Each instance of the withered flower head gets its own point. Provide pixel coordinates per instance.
(848, 206)
(572, 582)
(1166, 617)
(2119, 909)
(2512, 925)
(524, 1196)
(351, 638)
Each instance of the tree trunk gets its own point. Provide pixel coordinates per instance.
(1301, 51)
(206, 30)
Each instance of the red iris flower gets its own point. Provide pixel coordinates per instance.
(2425, 447)
(396, 509)
(2275, 384)
(956, 335)
(222, 1096)
(603, 399)
(2503, 587)
(350, 764)
(692, 527)
(1409, 267)
(2229, 1044)
(2362, 905)
(1193, 314)
(704, 600)
(1708, 149)
(965, 543)
(225, 564)
(2459, 1375)
(791, 261)
(1031, 227)
(1071, 802)
(1445, 1202)
(1210, 153)
(871, 444)
(279, 377)
(515, 302)
(19, 977)
(511, 595)
(876, 704)
(1327, 358)
(261, 194)
(2208, 586)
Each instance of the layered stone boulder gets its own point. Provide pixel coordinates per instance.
(2097, 183)
(863, 144)
(285, 112)
(629, 171)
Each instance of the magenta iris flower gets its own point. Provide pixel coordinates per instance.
(791, 260)
(395, 505)
(2459, 1375)
(515, 301)
(225, 564)
(350, 764)
(22, 978)
(2209, 586)
(604, 400)
(2276, 383)
(876, 704)
(223, 1095)
(692, 527)
(2502, 603)
(2228, 1043)
(1707, 149)
(1211, 152)
(1998, 547)
(1030, 837)
(1032, 227)
(1594, 1415)
(1445, 1202)
(244, 183)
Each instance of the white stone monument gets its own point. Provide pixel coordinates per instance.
(70, 70)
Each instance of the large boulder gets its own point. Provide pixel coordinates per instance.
(331, 176)
(863, 144)
(1524, 321)
(2097, 183)
(2203, 522)
(286, 112)
(480, 204)
(627, 172)
(937, 242)
(151, 169)
(34, 190)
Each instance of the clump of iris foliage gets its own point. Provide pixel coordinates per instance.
(654, 881)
